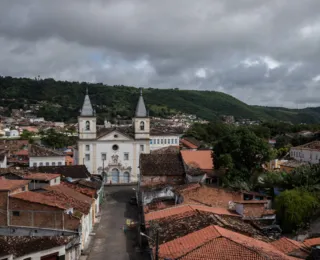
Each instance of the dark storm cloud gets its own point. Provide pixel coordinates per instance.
(263, 52)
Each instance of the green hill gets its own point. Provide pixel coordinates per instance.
(61, 100)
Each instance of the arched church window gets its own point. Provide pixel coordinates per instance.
(141, 125)
(87, 125)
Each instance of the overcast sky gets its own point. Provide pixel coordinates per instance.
(262, 52)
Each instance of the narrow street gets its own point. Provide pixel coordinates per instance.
(110, 241)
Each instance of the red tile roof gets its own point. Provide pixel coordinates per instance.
(188, 144)
(216, 243)
(9, 185)
(287, 245)
(185, 209)
(22, 152)
(83, 190)
(41, 176)
(40, 198)
(70, 193)
(312, 242)
(198, 159)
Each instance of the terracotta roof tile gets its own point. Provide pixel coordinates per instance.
(198, 159)
(9, 185)
(185, 209)
(161, 165)
(39, 151)
(202, 244)
(70, 193)
(84, 190)
(188, 144)
(168, 149)
(41, 176)
(40, 198)
(286, 245)
(72, 171)
(312, 242)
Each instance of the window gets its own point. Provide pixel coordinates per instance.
(126, 156)
(34, 164)
(141, 147)
(87, 147)
(176, 141)
(16, 213)
(103, 156)
(47, 164)
(150, 141)
(142, 125)
(115, 147)
(115, 136)
(55, 180)
(161, 141)
(53, 164)
(59, 163)
(87, 125)
(41, 164)
(168, 141)
(172, 140)
(154, 141)
(87, 157)
(165, 141)
(158, 141)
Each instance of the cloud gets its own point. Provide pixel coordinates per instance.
(262, 52)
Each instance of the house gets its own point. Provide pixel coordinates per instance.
(41, 156)
(309, 152)
(114, 152)
(290, 165)
(254, 209)
(165, 150)
(72, 172)
(36, 248)
(19, 158)
(199, 166)
(79, 202)
(189, 143)
(33, 212)
(41, 180)
(215, 242)
(158, 169)
(292, 247)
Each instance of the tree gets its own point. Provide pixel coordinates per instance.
(26, 135)
(57, 140)
(294, 208)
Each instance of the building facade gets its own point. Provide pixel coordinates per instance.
(114, 152)
(309, 152)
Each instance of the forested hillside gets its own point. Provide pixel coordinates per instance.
(61, 100)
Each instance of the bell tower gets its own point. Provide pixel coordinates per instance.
(87, 123)
(141, 120)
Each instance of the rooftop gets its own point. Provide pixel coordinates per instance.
(168, 149)
(39, 151)
(289, 246)
(312, 242)
(188, 144)
(182, 209)
(9, 185)
(72, 171)
(161, 165)
(216, 243)
(41, 176)
(20, 246)
(201, 159)
(83, 190)
(315, 145)
(293, 163)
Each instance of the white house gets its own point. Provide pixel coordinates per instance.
(161, 140)
(41, 156)
(309, 152)
(115, 151)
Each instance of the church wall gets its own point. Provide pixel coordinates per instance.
(83, 133)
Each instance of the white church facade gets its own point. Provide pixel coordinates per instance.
(115, 151)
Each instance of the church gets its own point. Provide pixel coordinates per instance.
(114, 152)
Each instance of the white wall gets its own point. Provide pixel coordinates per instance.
(239, 208)
(305, 155)
(55, 181)
(49, 159)
(83, 133)
(97, 148)
(199, 178)
(3, 164)
(160, 141)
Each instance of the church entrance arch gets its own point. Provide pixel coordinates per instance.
(126, 177)
(115, 175)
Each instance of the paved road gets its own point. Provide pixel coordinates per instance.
(110, 241)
